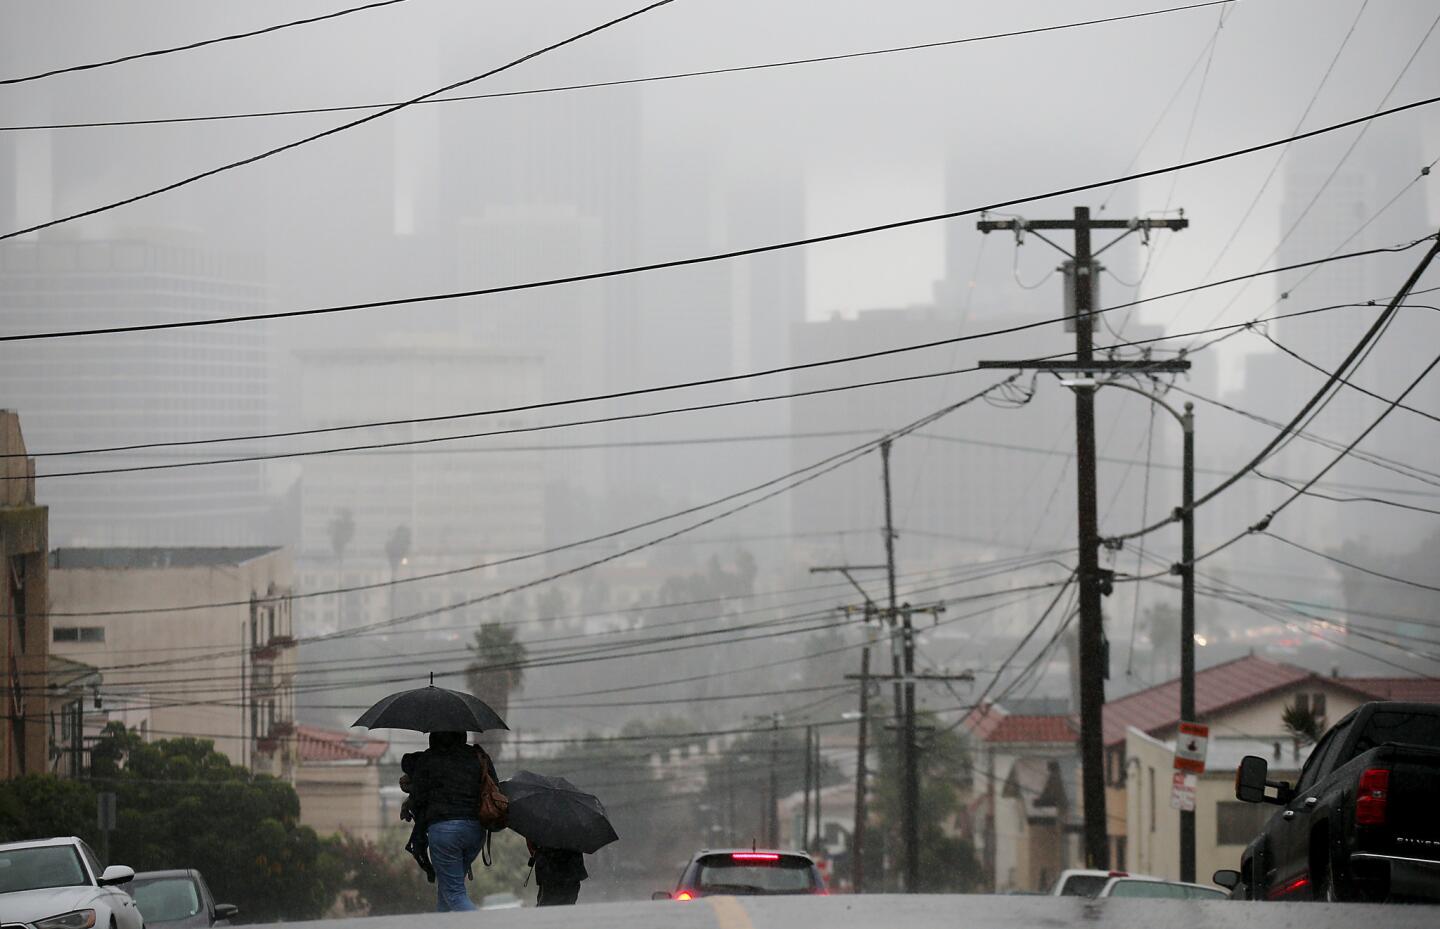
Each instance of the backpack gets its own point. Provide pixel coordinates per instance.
(494, 807)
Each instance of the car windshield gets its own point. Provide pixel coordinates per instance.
(724, 874)
(1163, 890)
(166, 898)
(38, 868)
(1083, 885)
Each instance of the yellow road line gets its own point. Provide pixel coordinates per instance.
(730, 913)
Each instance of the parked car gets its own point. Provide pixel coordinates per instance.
(1086, 882)
(179, 899)
(59, 884)
(746, 872)
(1153, 888)
(1362, 822)
(501, 901)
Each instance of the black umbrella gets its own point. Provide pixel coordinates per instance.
(431, 709)
(554, 813)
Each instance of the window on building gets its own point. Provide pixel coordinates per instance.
(1236, 823)
(1317, 705)
(77, 634)
(1152, 798)
(17, 596)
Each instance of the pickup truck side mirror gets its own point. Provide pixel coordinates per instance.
(1251, 781)
(1226, 878)
(660, 895)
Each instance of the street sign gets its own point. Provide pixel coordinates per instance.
(1190, 748)
(1182, 791)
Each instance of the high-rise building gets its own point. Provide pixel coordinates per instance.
(147, 387)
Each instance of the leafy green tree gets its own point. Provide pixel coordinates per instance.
(181, 804)
(948, 862)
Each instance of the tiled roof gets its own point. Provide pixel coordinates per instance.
(983, 720)
(1408, 689)
(1033, 729)
(1216, 689)
(318, 745)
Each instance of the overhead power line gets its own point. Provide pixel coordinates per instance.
(662, 388)
(1335, 559)
(616, 83)
(1330, 384)
(661, 265)
(200, 44)
(183, 182)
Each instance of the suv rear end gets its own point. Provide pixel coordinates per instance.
(749, 872)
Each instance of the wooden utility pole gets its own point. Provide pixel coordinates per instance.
(1081, 274)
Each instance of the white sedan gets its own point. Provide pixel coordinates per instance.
(59, 884)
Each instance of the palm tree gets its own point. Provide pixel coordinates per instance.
(498, 668)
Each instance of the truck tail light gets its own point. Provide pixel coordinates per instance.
(1371, 797)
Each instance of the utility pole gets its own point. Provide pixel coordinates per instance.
(1081, 274)
(904, 698)
(809, 774)
(773, 833)
(1187, 624)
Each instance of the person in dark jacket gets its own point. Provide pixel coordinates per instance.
(558, 873)
(445, 798)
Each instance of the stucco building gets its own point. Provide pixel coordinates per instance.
(23, 652)
(222, 670)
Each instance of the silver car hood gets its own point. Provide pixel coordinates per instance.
(27, 906)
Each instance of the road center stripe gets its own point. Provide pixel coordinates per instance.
(730, 913)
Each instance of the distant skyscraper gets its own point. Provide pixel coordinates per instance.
(172, 385)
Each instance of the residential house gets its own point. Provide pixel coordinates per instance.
(1243, 702)
(338, 780)
(24, 529)
(191, 642)
(1026, 795)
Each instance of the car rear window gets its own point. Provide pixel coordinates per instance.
(166, 898)
(1391, 726)
(754, 874)
(1083, 885)
(1149, 890)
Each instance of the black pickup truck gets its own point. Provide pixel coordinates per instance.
(1363, 821)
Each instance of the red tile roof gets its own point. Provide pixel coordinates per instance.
(319, 745)
(981, 721)
(1408, 689)
(1216, 690)
(1033, 729)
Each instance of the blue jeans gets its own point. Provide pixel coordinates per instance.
(454, 845)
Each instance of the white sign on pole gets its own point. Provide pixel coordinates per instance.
(1190, 745)
(1182, 791)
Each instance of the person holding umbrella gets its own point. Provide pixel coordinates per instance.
(560, 823)
(445, 780)
(558, 873)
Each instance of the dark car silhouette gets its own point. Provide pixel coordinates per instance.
(178, 899)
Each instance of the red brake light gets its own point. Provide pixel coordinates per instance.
(754, 856)
(1371, 797)
(1295, 886)
(1119, 873)
(684, 895)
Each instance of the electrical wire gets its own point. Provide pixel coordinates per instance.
(1334, 559)
(1328, 386)
(1280, 156)
(1338, 165)
(655, 266)
(641, 391)
(268, 153)
(200, 44)
(618, 83)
